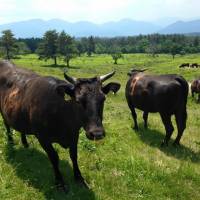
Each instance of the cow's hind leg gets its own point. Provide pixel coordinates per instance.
(8, 133)
(53, 157)
(24, 140)
(145, 117)
(134, 115)
(166, 119)
(181, 125)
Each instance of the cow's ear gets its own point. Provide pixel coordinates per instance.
(108, 87)
(63, 89)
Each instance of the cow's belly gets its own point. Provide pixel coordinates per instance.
(165, 105)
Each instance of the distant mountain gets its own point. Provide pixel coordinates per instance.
(37, 27)
(182, 27)
(125, 27)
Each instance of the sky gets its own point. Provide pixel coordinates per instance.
(99, 11)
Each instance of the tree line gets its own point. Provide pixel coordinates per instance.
(53, 45)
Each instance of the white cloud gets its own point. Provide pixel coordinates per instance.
(97, 10)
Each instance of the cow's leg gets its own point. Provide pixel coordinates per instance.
(192, 93)
(198, 100)
(166, 119)
(181, 125)
(53, 157)
(77, 174)
(24, 140)
(8, 133)
(145, 117)
(134, 115)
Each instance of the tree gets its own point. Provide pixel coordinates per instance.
(80, 48)
(116, 54)
(48, 48)
(22, 48)
(175, 49)
(91, 46)
(7, 41)
(67, 47)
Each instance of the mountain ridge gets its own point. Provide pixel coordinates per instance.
(123, 27)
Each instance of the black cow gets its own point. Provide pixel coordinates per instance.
(166, 94)
(195, 88)
(184, 65)
(194, 65)
(113, 87)
(33, 104)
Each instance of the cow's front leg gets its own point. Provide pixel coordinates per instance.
(24, 140)
(8, 133)
(53, 157)
(77, 174)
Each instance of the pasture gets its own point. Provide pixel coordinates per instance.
(124, 165)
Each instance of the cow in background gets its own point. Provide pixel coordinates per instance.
(195, 88)
(184, 65)
(166, 94)
(194, 65)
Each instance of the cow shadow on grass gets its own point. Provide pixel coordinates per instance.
(154, 138)
(34, 168)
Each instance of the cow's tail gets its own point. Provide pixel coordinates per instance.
(185, 88)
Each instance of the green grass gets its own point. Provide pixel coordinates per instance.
(126, 164)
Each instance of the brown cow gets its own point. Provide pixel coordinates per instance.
(34, 104)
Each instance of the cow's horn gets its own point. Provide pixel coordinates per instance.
(142, 70)
(70, 79)
(107, 76)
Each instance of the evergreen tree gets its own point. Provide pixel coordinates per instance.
(48, 48)
(7, 41)
(67, 47)
(91, 46)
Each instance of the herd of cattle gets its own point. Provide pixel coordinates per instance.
(35, 104)
(193, 65)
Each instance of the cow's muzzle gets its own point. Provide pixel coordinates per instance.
(95, 134)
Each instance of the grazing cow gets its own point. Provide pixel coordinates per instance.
(194, 65)
(113, 87)
(195, 88)
(166, 94)
(34, 104)
(184, 65)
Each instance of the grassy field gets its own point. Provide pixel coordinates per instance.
(126, 164)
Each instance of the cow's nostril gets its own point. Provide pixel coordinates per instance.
(97, 135)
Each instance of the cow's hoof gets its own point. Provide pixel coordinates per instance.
(82, 183)
(163, 144)
(135, 128)
(176, 144)
(26, 145)
(11, 142)
(62, 187)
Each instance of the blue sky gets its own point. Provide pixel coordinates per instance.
(98, 11)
